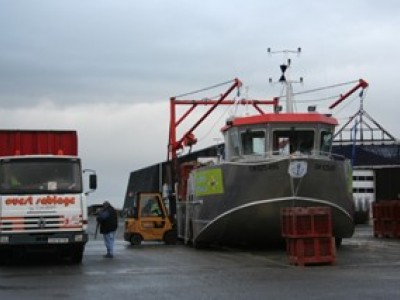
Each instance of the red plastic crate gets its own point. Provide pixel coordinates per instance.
(311, 250)
(396, 210)
(377, 211)
(388, 228)
(378, 227)
(396, 228)
(388, 209)
(386, 216)
(306, 222)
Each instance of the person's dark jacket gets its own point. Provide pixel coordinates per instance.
(108, 220)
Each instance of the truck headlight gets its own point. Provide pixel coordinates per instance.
(4, 240)
(78, 238)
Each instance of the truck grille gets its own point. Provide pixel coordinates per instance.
(40, 223)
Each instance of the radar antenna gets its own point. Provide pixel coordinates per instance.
(285, 77)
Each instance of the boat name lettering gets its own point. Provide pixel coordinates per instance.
(262, 168)
(324, 167)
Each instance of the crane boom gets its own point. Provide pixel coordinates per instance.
(188, 137)
(361, 84)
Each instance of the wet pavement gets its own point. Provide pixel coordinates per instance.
(365, 268)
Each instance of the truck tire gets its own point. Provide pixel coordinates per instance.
(77, 254)
(338, 242)
(4, 257)
(170, 237)
(135, 239)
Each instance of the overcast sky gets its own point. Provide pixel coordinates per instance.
(108, 67)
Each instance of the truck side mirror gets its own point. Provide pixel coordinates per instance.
(93, 181)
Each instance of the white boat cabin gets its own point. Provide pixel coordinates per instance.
(272, 135)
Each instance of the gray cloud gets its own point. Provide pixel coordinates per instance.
(90, 63)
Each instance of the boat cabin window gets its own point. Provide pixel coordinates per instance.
(326, 141)
(291, 141)
(233, 143)
(253, 142)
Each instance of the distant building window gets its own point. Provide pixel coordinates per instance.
(363, 178)
(363, 190)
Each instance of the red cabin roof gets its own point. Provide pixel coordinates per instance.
(282, 118)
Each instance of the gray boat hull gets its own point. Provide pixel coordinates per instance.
(240, 203)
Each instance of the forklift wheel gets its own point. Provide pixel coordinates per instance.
(338, 242)
(135, 239)
(170, 237)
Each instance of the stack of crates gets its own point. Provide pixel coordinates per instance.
(386, 216)
(308, 234)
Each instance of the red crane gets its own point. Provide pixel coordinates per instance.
(188, 138)
(361, 84)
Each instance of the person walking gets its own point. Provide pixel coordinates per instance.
(108, 222)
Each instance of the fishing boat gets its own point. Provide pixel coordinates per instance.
(271, 160)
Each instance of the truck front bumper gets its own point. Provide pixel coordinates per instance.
(53, 238)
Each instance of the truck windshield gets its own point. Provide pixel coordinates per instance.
(40, 176)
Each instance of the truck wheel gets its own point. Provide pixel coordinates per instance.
(135, 239)
(338, 242)
(77, 254)
(170, 237)
(5, 257)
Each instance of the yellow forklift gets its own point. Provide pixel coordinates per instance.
(149, 221)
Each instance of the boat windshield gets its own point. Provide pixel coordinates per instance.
(40, 175)
(293, 141)
(253, 142)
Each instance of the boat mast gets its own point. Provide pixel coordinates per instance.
(285, 77)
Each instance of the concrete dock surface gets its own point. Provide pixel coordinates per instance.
(365, 268)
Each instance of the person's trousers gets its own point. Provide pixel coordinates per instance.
(109, 242)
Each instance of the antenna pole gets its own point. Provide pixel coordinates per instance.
(285, 77)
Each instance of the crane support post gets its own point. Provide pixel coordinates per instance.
(175, 144)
